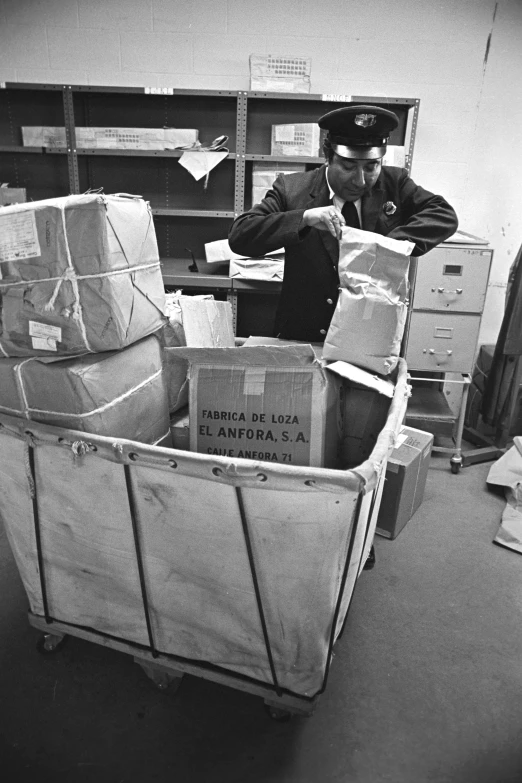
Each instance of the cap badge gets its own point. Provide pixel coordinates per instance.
(365, 120)
(389, 208)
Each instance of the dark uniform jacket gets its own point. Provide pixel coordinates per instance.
(310, 285)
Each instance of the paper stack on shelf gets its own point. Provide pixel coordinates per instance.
(111, 138)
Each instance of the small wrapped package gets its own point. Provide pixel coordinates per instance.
(198, 322)
(271, 267)
(79, 274)
(369, 319)
(120, 394)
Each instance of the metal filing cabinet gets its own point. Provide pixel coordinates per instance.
(449, 286)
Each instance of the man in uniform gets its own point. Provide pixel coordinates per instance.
(305, 212)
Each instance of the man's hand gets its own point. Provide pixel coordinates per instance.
(325, 219)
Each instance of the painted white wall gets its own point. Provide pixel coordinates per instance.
(470, 105)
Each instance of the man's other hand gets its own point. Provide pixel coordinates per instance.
(325, 219)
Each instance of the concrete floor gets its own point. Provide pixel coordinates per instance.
(426, 683)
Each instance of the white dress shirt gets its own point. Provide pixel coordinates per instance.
(340, 202)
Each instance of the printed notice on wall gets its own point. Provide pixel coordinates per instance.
(18, 236)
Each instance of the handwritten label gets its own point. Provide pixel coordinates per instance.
(37, 329)
(18, 236)
(44, 344)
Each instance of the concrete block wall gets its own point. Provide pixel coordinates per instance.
(462, 58)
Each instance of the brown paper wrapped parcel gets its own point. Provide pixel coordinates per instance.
(369, 319)
(79, 274)
(120, 394)
(196, 321)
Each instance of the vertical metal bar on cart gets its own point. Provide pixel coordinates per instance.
(370, 513)
(248, 543)
(341, 590)
(132, 507)
(39, 552)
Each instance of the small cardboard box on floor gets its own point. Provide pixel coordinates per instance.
(272, 403)
(406, 475)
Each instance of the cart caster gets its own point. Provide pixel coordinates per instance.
(277, 714)
(455, 464)
(162, 679)
(50, 643)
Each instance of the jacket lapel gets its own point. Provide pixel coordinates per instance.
(320, 197)
(371, 207)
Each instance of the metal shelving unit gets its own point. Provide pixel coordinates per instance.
(186, 214)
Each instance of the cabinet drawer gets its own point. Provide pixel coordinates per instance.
(443, 342)
(452, 279)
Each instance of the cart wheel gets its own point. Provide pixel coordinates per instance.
(49, 643)
(455, 464)
(277, 714)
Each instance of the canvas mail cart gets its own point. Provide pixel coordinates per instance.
(236, 571)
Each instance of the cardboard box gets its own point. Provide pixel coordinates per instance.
(198, 322)
(298, 139)
(78, 274)
(180, 429)
(272, 403)
(406, 475)
(265, 173)
(280, 73)
(120, 394)
(9, 196)
(395, 155)
(112, 138)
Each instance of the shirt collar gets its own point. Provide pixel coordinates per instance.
(332, 194)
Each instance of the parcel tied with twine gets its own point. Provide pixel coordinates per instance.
(369, 319)
(79, 274)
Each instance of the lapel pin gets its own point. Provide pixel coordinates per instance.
(389, 208)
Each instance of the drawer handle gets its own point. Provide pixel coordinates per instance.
(443, 291)
(433, 352)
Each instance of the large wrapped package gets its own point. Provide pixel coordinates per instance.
(119, 394)
(196, 321)
(370, 316)
(78, 274)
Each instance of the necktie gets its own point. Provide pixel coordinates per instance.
(349, 212)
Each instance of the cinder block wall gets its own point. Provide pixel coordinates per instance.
(462, 58)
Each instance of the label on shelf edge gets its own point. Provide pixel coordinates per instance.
(335, 98)
(158, 90)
